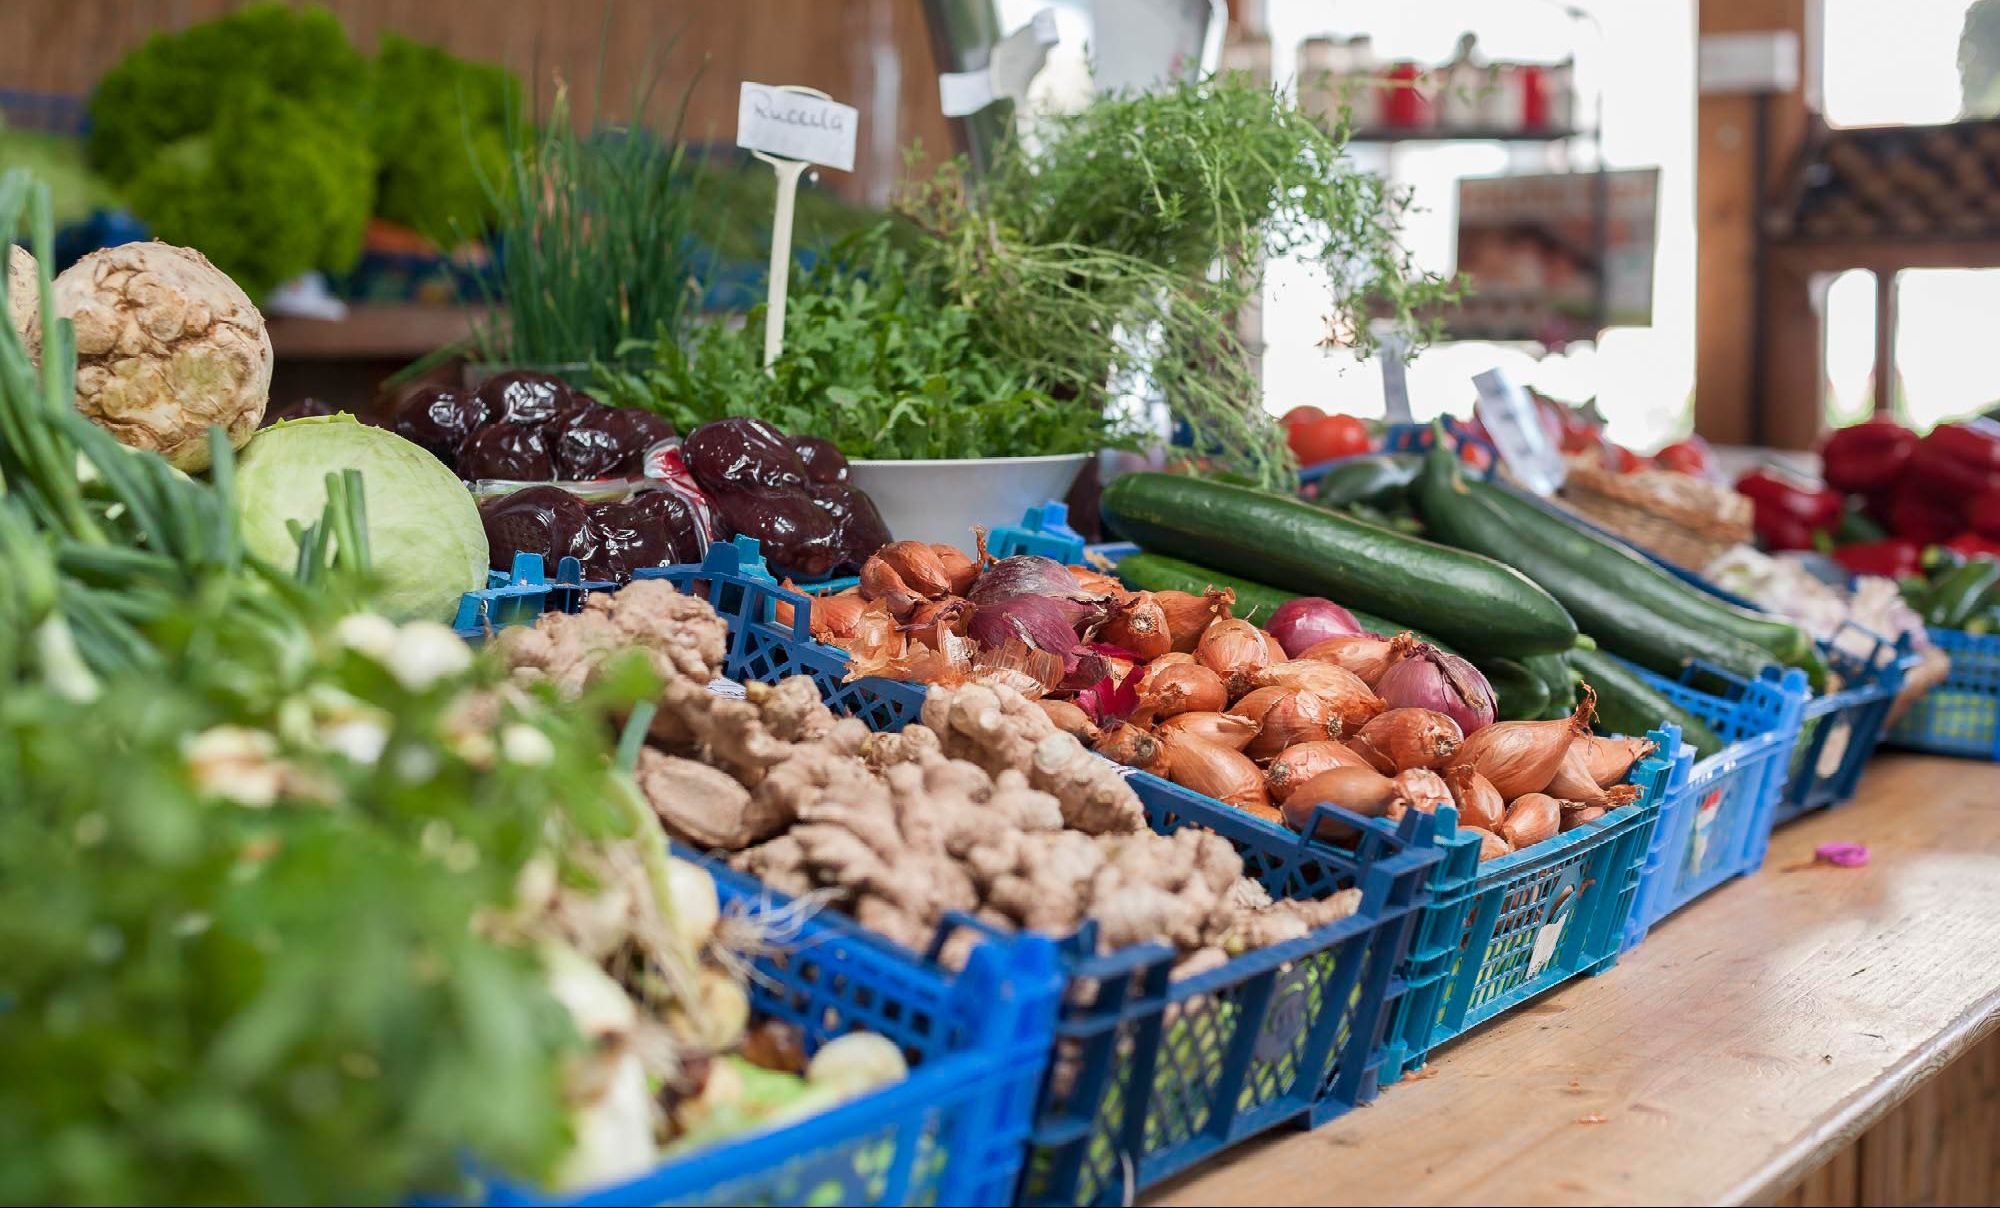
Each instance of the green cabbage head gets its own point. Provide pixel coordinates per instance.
(424, 535)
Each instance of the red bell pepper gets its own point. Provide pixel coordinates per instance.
(1950, 467)
(1972, 545)
(1777, 532)
(1983, 515)
(1892, 559)
(1788, 495)
(1867, 456)
(1973, 441)
(1920, 517)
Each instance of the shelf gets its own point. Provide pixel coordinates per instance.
(1750, 1038)
(372, 332)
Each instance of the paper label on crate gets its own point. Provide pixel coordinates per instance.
(1515, 427)
(1546, 939)
(1291, 1002)
(796, 125)
(727, 687)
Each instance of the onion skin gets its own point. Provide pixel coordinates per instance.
(1038, 622)
(1230, 730)
(1531, 818)
(1422, 676)
(1491, 846)
(960, 571)
(1301, 763)
(1307, 620)
(1357, 790)
(879, 581)
(932, 620)
(1350, 700)
(1272, 647)
(1181, 688)
(1235, 651)
(1401, 739)
(1188, 615)
(1366, 655)
(1522, 756)
(1139, 625)
(1609, 760)
(1218, 772)
(1479, 803)
(1096, 582)
(1124, 743)
(834, 617)
(1290, 718)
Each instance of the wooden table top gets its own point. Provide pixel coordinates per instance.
(1750, 1037)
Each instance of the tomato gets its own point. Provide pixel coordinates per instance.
(1626, 461)
(1323, 439)
(1304, 413)
(1690, 456)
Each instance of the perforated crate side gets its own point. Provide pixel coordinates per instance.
(1715, 821)
(953, 1132)
(1961, 716)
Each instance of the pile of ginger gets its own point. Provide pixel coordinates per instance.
(984, 807)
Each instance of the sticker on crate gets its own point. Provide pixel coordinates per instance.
(1550, 934)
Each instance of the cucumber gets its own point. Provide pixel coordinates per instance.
(1378, 479)
(1639, 580)
(1520, 693)
(1558, 681)
(1473, 520)
(1467, 600)
(1254, 602)
(1627, 704)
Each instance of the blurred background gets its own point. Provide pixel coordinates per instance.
(1550, 150)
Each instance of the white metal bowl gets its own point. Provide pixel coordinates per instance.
(938, 502)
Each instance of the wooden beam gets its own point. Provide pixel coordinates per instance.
(1792, 395)
(1727, 189)
(1885, 342)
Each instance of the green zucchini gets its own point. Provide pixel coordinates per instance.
(1467, 600)
(1957, 595)
(1601, 604)
(1519, 692)
(1377, 479)
(1254, 602)
(1627, 704)
(1635, 577)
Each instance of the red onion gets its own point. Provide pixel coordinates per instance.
(1024, 575)
(1040, 622)
(1307, 621)
(1424, 677)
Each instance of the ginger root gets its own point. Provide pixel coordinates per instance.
(996, 728)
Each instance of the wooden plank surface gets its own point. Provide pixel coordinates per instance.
(1751, 1038)
(372, 331)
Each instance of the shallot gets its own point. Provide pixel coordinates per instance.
(1609, 760)
(1531, 818)
(1491, 845)
(879, 581)
(1290, 718)
(1231, 730)
(918, 566)
(1308, 620)
(1479, 803)
(1096, 581)
(834, 617)
(1125, 743)
(960, 571)
(1422, 676)
(1407, 738)
(1181, 688)
(1070, 718)
(1235, 651)
(1188, 615)
(1307, 760)
(1573, 782)
(1571, 819)
(1218, 772)
(1357, 790)
(1366, 655)
(1345, 695)
(1423, 789)
(1139, 625)
(1522, 756)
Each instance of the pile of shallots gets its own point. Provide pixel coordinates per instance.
(1274, 721)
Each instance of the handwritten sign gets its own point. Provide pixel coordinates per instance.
(796, 125)
(1516, 430)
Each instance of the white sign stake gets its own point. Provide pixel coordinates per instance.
(790, 127)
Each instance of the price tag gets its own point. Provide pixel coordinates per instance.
(1515, 427)
(727, 688)
(1013, 65)
(796, 125)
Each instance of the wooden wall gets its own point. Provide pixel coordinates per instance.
(873, 54)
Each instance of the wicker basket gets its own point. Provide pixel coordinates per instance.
(1681, 518)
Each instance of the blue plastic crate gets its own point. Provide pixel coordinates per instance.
(1961, 716)
(1716, 815)
(1288, 1034)
(953, 1132)
(1043, 530)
